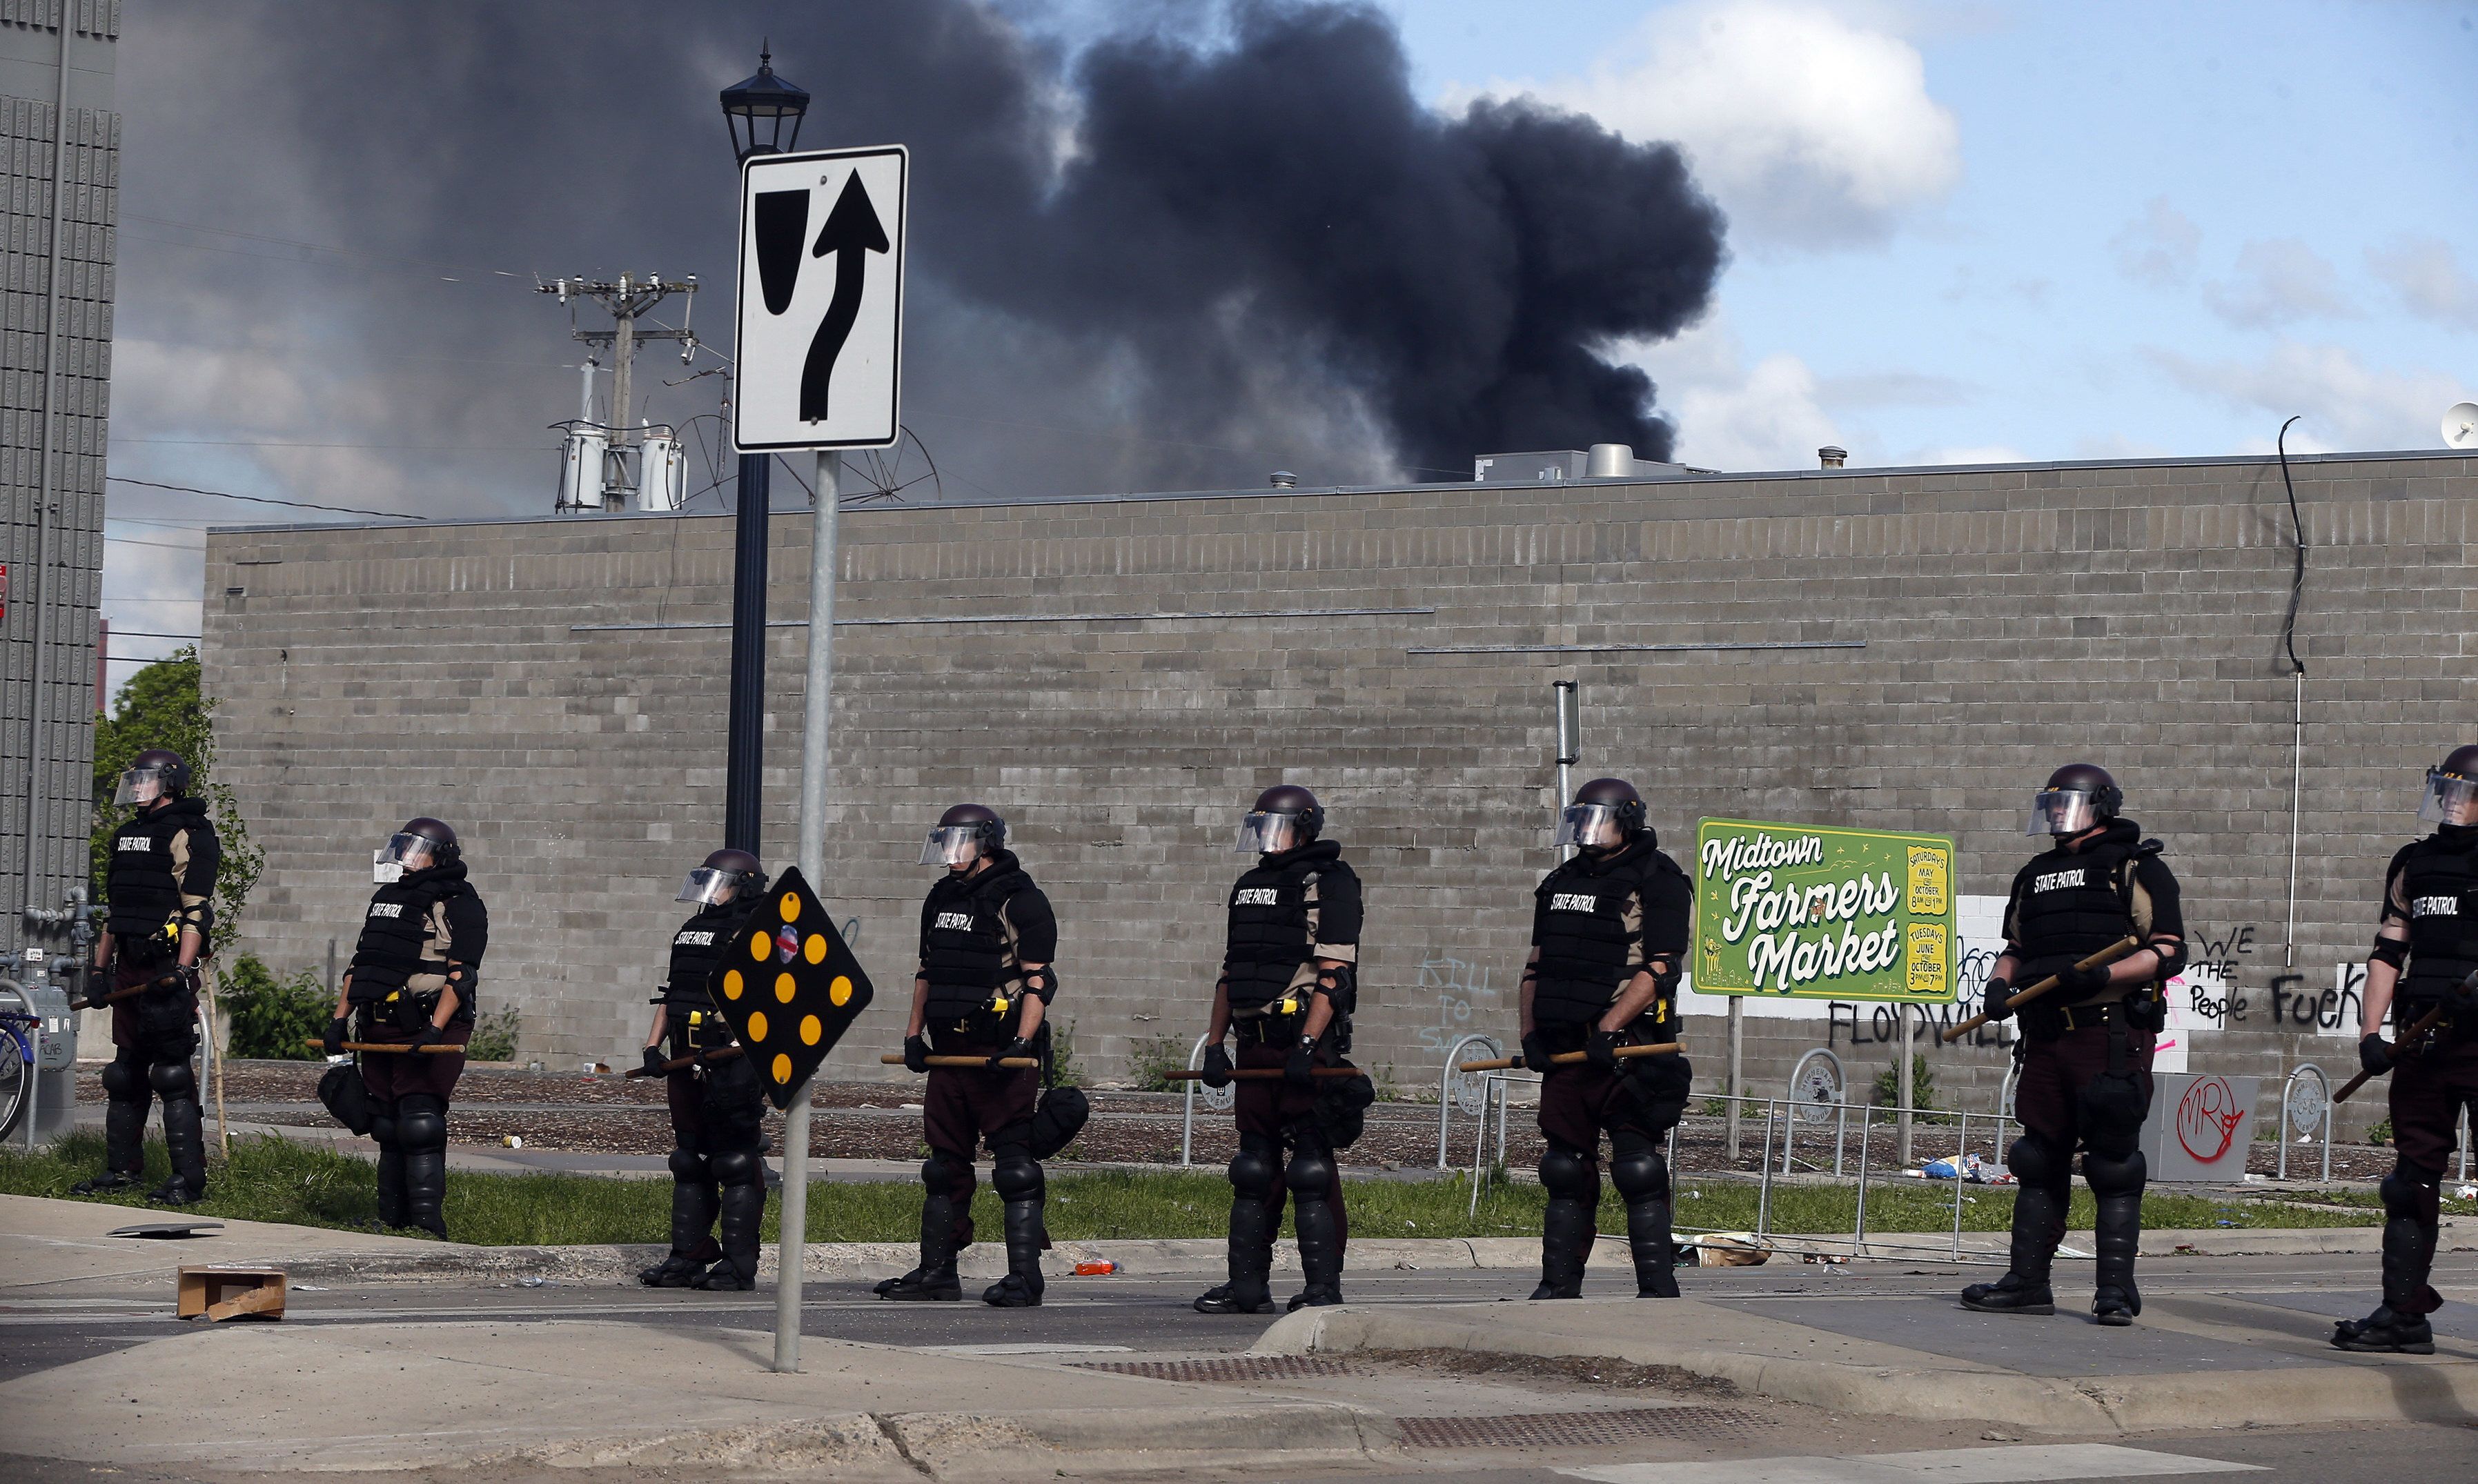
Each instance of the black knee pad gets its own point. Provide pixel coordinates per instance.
(689, 1165)
(1639, 1175)
(942, 1172)
(736, 1167)
(383, 1121)
(124, 1082)
(173, 1079)
(1567, 1175)
(1310, 1174)
(1017, 1178)
(2115, 1176)
(1256, 1168)
(2033, 1161)
(421, 1122)
(2412, 1192)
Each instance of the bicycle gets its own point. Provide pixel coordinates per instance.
(17, 1026)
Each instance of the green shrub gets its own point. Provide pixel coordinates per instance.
(495, 1036)
(2381, 1133)
(272, 1019)
(1151, 1059)
(1062, 1054)
(1923, 1088)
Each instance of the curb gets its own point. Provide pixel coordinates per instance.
(2384, 1388)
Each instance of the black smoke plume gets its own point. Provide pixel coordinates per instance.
(1169, 256)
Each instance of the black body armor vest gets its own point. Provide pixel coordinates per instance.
(2439, 879)
(1269, 924)
(1582, 934)
(2075, 903)
(964, 953)
(143, 892)
(697, 953)
(394, 945)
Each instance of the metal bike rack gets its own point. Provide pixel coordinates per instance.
(1448, 1088)
(1801, 1079)
(2308, 1112)
(1217, 1099)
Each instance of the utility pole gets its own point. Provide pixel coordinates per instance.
(626, 300)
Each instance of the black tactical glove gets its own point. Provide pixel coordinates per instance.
(2374, 1055)
(1536, 1055)
(171, 981)
(1601, 1050)
(1298, 1070)
(1018, 1048)
(1217, 1067)
(2082, 983)
(429, 1036)
(332, 1041)
(916, 1053)
(1991, 999)
(654, 1060)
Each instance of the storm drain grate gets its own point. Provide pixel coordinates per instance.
(1579, 1430)
(1224, 1367)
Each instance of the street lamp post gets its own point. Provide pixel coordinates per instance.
(763, 114)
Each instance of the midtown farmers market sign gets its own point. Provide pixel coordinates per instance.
(1813, 913)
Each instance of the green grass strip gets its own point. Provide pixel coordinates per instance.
(272, 1179)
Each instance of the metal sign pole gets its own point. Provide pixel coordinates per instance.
(816, 712)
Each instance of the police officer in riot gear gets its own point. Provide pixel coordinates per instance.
(1289, 983)
(717, 1105)
(2425, 954)
(2084, 1055)
(411, 984)
(160, 882)
(1610, 930)
(984, 989)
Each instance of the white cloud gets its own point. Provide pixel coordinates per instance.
(2428, 276)
(2158, 247)
(1982, 453)
(1731, 416)
(2346, 405)
(1807, 128)
(2277, 280)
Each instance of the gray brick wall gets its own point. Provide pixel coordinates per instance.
(2011, 619)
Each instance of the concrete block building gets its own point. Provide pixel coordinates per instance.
(1897, 648)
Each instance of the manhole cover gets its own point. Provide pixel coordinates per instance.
(1579, 1429)
(1224, 1367)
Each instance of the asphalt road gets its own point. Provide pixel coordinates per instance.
(1119, 1319)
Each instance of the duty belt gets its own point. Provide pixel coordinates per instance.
(2084, 1016)
(1270, 1022)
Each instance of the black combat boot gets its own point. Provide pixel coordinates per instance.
(1566, 1232)
(694, 1204)
(1249, 1290)
(2116, 1235)
(1319, 1227)
(184, 1138)
(1655, 1251)
(2399, 1324)
(421, 1128)
(391, 1187)
(1021, 1287)
(934, 1281)
(2024, 1289)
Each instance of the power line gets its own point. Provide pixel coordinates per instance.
(262, 500)
(268, 442)
(150, 633)
(131, 541)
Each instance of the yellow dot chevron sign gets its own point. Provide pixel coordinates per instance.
(817, 986)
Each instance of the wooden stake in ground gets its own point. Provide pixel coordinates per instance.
(1567, 1058)
(2020, 997)
(215, 1069)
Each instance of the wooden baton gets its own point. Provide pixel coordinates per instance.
(1265, 1073)
(2017, 1000)
(709, 1058)
(2417, 1028)
(1566, 1058)
(377, 1045)
(965, 1062)
(131, 992)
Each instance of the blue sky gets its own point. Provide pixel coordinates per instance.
(1959, 232)
(2148, 229)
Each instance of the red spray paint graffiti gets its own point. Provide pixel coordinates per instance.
(2208, 1116)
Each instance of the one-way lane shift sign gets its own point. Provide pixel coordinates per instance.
(852, 232)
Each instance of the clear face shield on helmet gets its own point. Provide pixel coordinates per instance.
(952, 846)
(1265, 832)
(2450, 799)
(401, 854)
(2062, 811)
(709, 886)
(142, 785)
(1590, 826)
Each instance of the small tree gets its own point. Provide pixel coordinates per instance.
(273, 1019)
(162, 706)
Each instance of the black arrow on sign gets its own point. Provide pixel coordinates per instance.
(852, 231)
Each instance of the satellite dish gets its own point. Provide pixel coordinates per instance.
(2460, 425)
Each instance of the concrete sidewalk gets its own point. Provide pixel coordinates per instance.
(269, 1398)
(2191, 1360)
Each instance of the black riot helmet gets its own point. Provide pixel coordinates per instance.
(154, 774)
(725, 876)
(1606, 813)
(2452, 790)
(1286, 817)
(422, 842)
(964, 834)
(2078, 797)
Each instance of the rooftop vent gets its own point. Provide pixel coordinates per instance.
(1603, 461)
(1284, 479)
(1832, 457)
